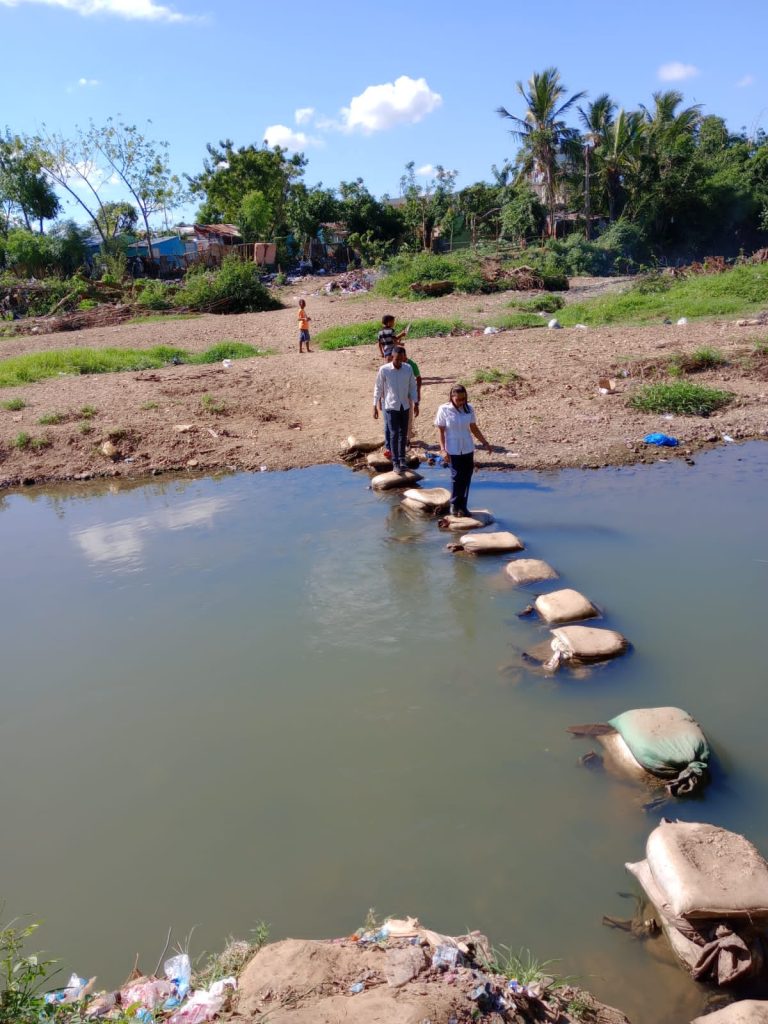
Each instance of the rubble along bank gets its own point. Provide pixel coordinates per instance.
(290, 411)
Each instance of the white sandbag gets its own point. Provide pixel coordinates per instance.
(621, 759)
(491, 543)
(355, 446)
(432, 498)
(476, 519)
(390, 481)
(588, 643)
(706, 871)
(746, 1011)
(379, 462)
(529, 570)
(565, 605)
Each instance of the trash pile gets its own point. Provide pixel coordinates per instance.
(398, 970)
(353, 281)
(709, 888)
(147, 998)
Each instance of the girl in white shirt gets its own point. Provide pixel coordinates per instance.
(456, 422)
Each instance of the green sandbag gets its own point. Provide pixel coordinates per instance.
(666, 741)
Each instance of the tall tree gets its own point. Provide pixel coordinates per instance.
(23, 185)
(141, 165)
(542, 131)
(229, 174)
(596, 118)
(427, 206)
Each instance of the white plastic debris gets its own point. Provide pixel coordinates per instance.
(491, 330)
(682, 321)
(262, 469)
(204, 1004)
(554, 324)
(226, 363)
(727, 438)
(580, 327)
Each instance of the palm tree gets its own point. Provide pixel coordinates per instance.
(667, 165)
(619, 157)
(542, 130)
(597, 118)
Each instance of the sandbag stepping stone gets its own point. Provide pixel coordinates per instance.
(390, 481)
(529, 570)
(476, 519)
(428, 499)
(355, 446)
(379, 462)
(565, 605)
(491, 543)
(746, 1011)
(585, 643)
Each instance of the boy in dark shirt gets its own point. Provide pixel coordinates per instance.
(387, 338)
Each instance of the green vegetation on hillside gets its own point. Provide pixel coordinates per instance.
(350, 335)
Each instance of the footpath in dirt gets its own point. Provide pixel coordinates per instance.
(287, 410)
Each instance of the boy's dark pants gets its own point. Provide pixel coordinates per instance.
(397, 431)
(462, 467)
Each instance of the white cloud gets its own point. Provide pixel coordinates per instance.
(88, 83)
(677, 71)
(304, 115)
(425, 171)
(744, 81)
(282, 135)
(146, 10)
(379, 107)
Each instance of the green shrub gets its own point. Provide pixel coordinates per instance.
(542, 303)
(22, 440)
(14, 404)
(87, 304)
(494, 376)
(155, 295)
(52, 418)
(229, 350)
(214, 406)
(680, 397)
(704, 358)
(463, 269)
(234, 288)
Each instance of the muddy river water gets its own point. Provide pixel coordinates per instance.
(276, 697)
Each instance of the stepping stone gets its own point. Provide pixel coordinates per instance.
(458, 524)
(354, 446)
(589, 643)
(390, 481)
(564, 606)
(432, 499)
(491, 543)
(529, 570)
(377, 461)
(746, 1011)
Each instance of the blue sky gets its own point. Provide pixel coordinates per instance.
(365, 87)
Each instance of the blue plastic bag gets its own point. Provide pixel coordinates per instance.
(663, 440)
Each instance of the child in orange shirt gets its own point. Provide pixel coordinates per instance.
(304, 319)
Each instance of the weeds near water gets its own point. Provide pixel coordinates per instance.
(680, 397)
(234, 957)
(21, 441)
(23, 976)
(521, 966)
(14, 404)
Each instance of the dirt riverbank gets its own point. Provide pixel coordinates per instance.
(288, 410)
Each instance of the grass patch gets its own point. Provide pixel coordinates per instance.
(539, 304)
(39, 365)
(214, 406)
(494, 376)
(513, 321)
(705, 358)
(86, 428)
(350, 335)
(23, 441)
(679, 397)
(51, 419)
(146, 406)
(161, 318)
(732, 293)
(14, 404)
(87, 412)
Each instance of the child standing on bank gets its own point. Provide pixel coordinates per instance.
(304, 319)
(387, 338)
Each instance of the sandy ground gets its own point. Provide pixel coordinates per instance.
(289, 410)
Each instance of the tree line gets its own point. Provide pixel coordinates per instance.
(684, 181)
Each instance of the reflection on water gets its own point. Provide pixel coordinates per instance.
(122, 544)
(275, 696)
